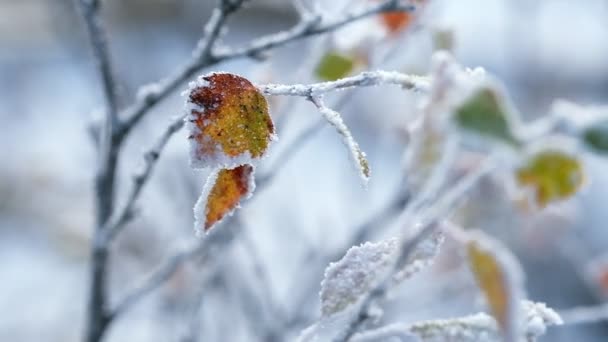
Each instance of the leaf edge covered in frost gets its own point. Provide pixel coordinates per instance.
(511, 274)
(200, 208)
(217, 158)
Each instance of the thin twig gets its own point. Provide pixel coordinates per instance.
(311, 27)
(122, 217)
(202, 58)
(428, 222)
(375, 223)
(364, 79)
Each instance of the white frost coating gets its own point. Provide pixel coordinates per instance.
(347, 280)
(422, 257)
(364, 79)
(512, 276)
(356, 154)
(218, 158)
(472, 328)
(200, 208)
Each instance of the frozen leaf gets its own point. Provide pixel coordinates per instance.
(596, 137)
(499, 278)
(334, 65)
(222, 194)
(484, 113)
(228, 121)
(552, 174)
(347, 280)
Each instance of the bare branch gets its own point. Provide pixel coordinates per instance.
(310, 27)
(98, 317)
(201, 57)
(428, 222)
(205, 57)
(118, 221)
(364, 79)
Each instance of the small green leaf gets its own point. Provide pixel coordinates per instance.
(596, 137)
(553, 175)
(484, 114)
(334, 66)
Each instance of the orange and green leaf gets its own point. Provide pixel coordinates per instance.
(223, 193)
(228, 120)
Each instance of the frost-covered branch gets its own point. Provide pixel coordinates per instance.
(428, 222)
(122, 217)
(313, 25)
(335, 119)
(203, 57)
(364, 79)
(478, 327)
(151, 94)
(170, 266)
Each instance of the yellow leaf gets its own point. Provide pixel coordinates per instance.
(228, 121)
(498, 276)
(552, 174)
(223, 192)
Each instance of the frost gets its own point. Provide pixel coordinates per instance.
(358, 156)
(228, 121)
(222, 194)
(348, 279)
(482, 327)
(357, 272)
(472, 328)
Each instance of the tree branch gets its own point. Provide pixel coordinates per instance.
(202, 56)
(428, 222)
(121, 218)
(364, 79)
(205, 57)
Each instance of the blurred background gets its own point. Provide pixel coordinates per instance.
(50, 94)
